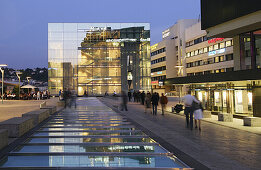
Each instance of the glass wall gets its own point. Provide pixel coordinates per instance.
(94, 58)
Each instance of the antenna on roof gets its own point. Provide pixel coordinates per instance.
(199, 18)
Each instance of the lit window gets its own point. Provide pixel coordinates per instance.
(188, 54)
(200, 51)
(228, 43)
(196, 52)
(215, 46)
(210, 48)
(216, 59)
(205, 49)
(221, 58)
(222, 45)
(192, 53)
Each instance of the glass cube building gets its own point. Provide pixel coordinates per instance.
(94, 58)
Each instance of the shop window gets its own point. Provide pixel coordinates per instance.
(222, 70)
(205, 49)
(207, 72)
(217, 71)
(222, 45)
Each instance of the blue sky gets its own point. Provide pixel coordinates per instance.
(23, 23)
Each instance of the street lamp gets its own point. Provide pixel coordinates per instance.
(28, 79)
(2, 70)
(18, 73)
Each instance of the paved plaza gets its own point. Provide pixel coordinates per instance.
(216, 146)
(15, 108)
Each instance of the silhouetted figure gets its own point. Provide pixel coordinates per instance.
(147, 101)
(124, 101)
(130, 96)
(163, 102)
(142, 97)
(154, 101)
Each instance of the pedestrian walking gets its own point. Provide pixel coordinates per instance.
(188, 100)
(130, 96)
(60, 93)
(147, 101)
(142, 97)
(198, 114)
(124, 101)
(163, 102)
(38, 95)
(154, 102)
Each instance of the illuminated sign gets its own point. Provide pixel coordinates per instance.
(160, 83)
(215, 40)
(152, 74)
(160, 72)
(153, 47)
(216, 52)
(221, 50)
(155, 82)
(165, 33)
(212, 53)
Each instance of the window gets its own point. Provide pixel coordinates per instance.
(222, 70)
(188, 54)
(187, 44)
(216, 46)
(192, 53)
(230, 69)
(210, 61)
(221, 58)
(229, 57)
(207, 72)
(210, 48)
(196, 52)
(228, 43)
(200, 51)
(216, 59)
(205, 49)
(222, 45)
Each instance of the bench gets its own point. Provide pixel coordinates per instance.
(52, 109)
(225, 117)
(17, 126)
(43, 104)
(37, 115)
(206, 114)
(4, 138)
(252, 121)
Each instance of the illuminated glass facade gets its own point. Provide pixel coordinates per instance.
(95, 58)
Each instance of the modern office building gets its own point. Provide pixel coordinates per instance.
(94, 58)
(168, 55)
(234, 87)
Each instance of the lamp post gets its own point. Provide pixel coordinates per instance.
(18, 73)
(28, 79)
(2, 70)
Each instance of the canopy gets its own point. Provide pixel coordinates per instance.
(28, 86)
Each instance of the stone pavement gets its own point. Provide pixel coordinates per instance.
(217, 147)
(15, 108)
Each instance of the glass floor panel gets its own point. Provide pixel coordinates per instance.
(88, 140)
(71, 129)
(92, 161)
(88, 133)
(85, 148)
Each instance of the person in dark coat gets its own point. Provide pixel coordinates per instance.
(124, 101)
(154, 102)
(142, 97)
(130, 96)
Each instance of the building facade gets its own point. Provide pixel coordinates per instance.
(94, 58)
(168, 55)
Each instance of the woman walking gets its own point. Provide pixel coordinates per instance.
(198, 114)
